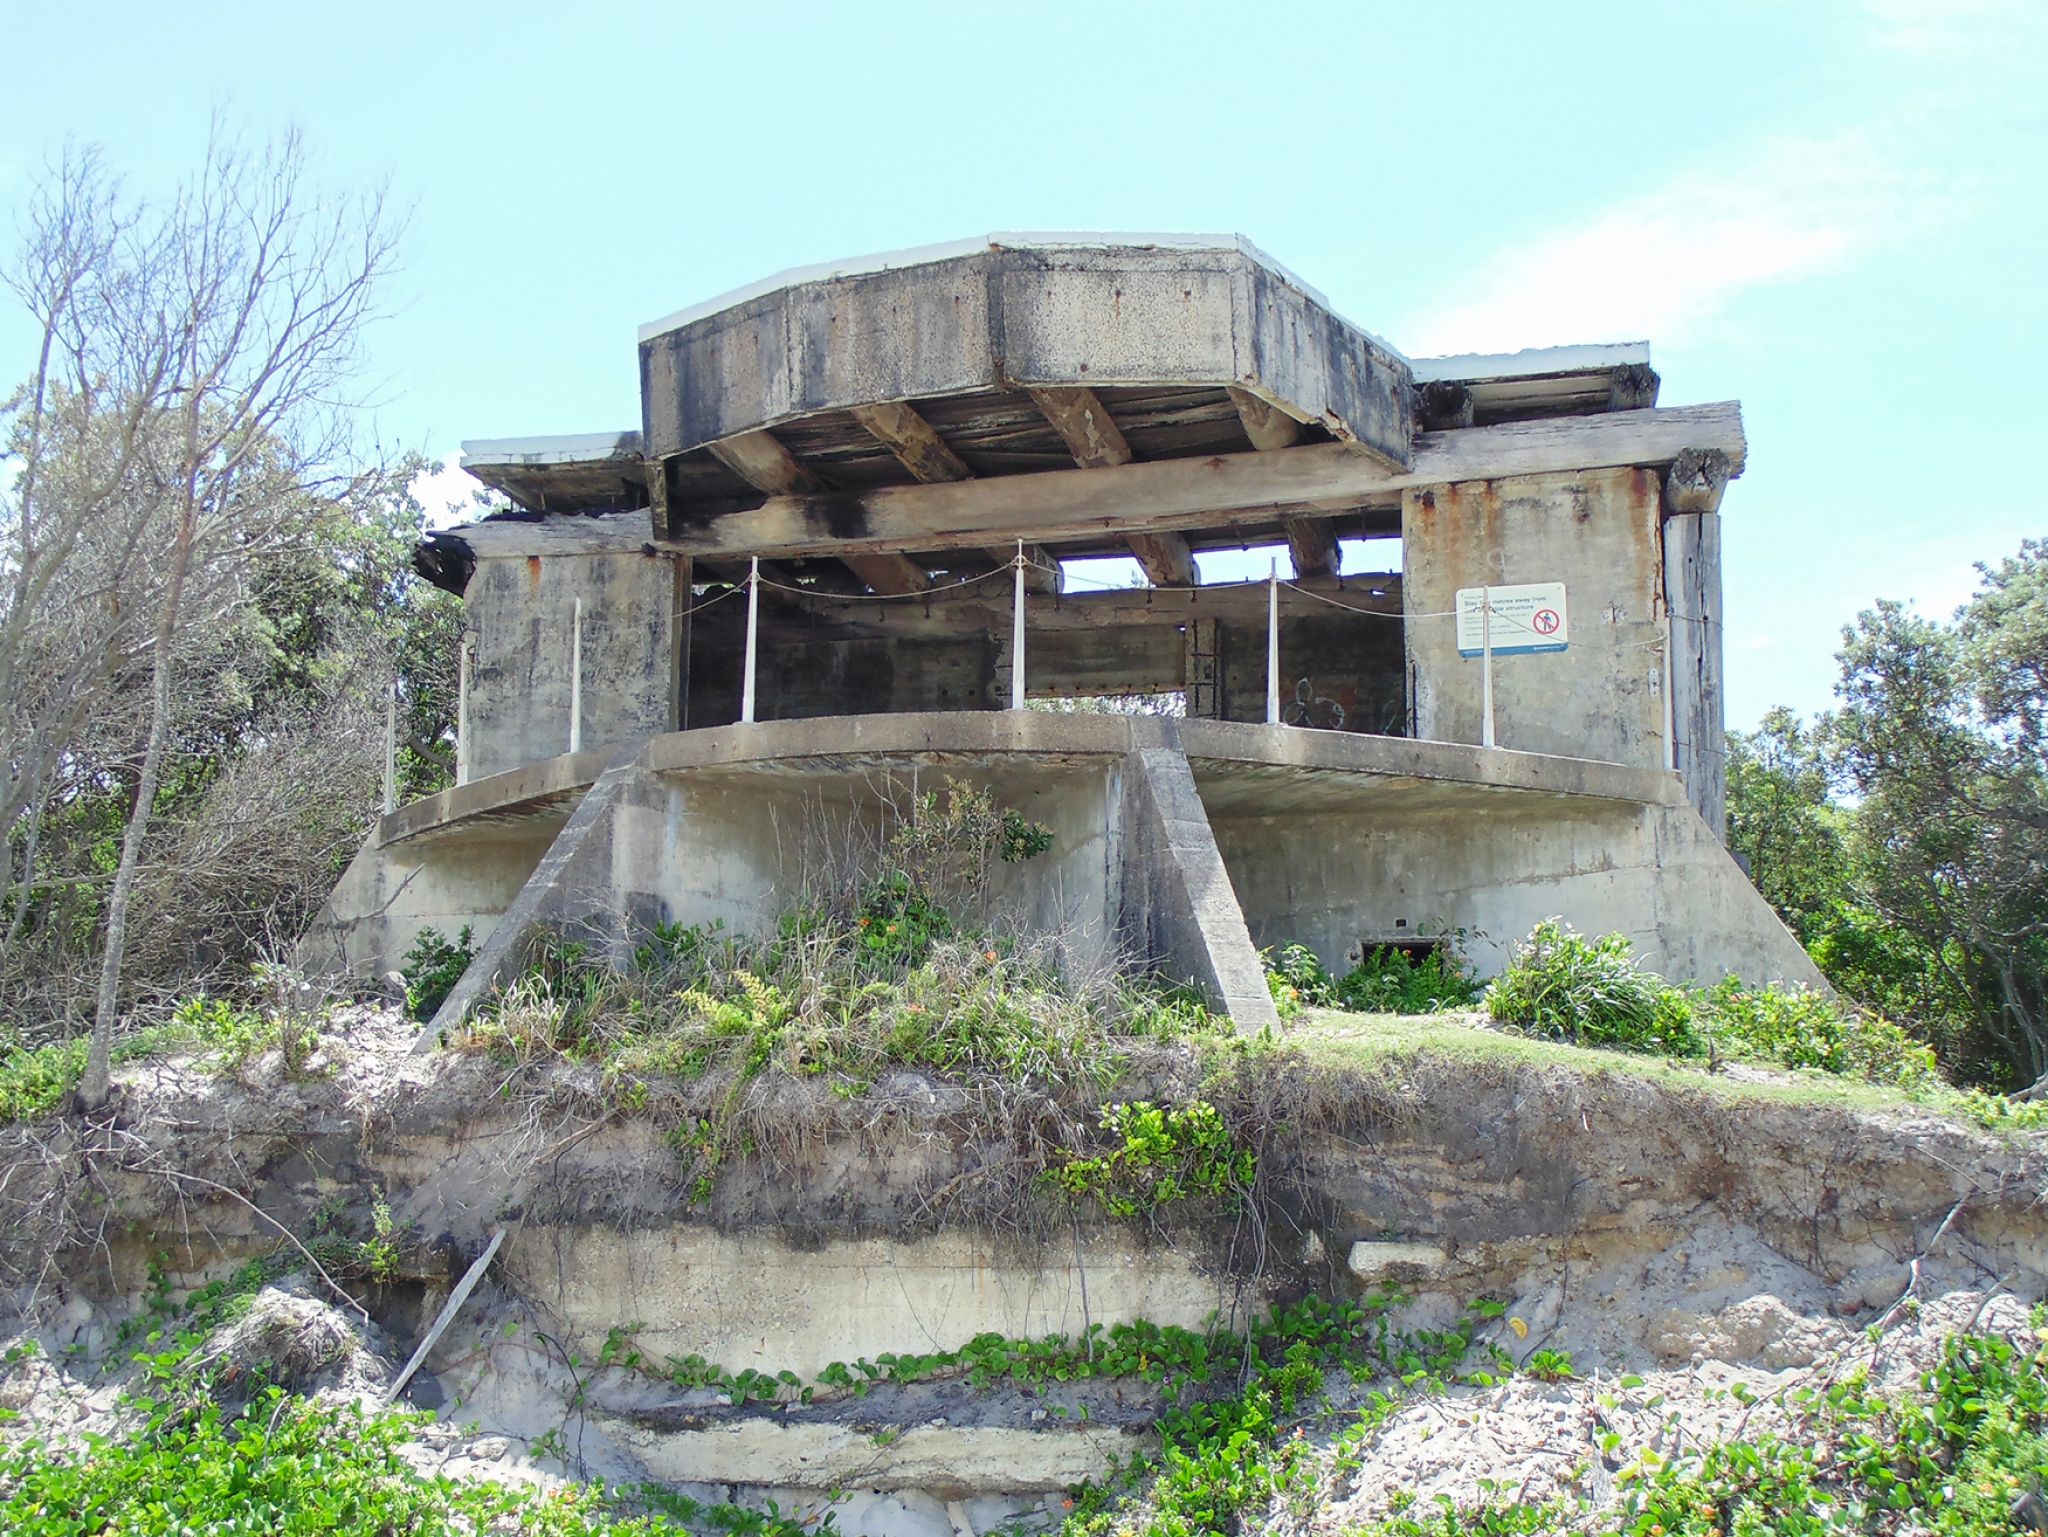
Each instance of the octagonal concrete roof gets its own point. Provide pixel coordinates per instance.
(1034, 314)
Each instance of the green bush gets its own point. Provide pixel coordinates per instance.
(431, 969)
(1385, 981)
(1591, 992)
(1965, 1456)
(1159, 1154)
(283, 1467)
(36, 1080)
(1297, 979)
(1391, 981)
(1798, 1027)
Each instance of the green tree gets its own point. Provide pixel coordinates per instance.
(1939, 741)
(1783, 823)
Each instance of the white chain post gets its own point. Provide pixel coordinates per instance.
(1273, 643)
(753, 638)
(1486, 666)
(576, 678)
(462, 711)
(1017, 633)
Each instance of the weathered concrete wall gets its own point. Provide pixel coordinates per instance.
(1177, 843)
(758, 1301)
(464, 879)
(521, 611)
(1353, 663)
(833, 677)
(1487, 869)
(1597, 532)
(742, 845)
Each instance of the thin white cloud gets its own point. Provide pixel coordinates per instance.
(1668, 263)
(1928, 29)
(448, 492)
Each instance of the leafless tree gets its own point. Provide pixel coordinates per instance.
(189, 405)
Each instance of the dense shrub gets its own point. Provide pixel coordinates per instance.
(1385, 980)
(285, 1466)
(1391, 981)
(432, 967)
(1963, 1457)
(1591, 992)
(1798, 1027)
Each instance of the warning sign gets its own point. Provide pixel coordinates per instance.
(1525, 619)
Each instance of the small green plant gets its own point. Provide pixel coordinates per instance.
(1159, 1155)
(1297, 979)
(432, 967)
(1591, 992)
(1022, 838)
(2000, 1112)
(1549, 1365)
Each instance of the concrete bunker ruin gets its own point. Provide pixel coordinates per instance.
(890, 461)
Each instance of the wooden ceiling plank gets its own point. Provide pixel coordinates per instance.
(761, 460)
(1097, 443)
(899, 427)
(1084, 424)
(1221, 491)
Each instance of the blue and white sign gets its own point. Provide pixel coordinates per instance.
(1526, 619)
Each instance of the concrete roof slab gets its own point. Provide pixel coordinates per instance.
(1006, 314)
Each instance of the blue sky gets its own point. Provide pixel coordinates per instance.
(1835, 212)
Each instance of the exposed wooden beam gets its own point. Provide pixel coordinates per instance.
(1084, 424)
(1264, 423)
(1633, 387)
(977, 609)
(1165, 559)
(760, 459)
(895, 575)
(1094, 439)
(1219, 491)
(916, 443)
(1311, 545)
(1696, 481)
(913, 440)
(1311, 542)
(762, 462)
(1443, 405)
